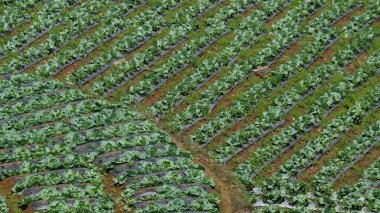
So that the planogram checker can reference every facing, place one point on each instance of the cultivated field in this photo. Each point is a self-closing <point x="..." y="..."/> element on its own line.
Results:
<point x="189" y="106"/>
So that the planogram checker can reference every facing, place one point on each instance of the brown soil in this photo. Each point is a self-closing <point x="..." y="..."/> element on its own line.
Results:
<point x="284" y="157"/>
<point x="346" y="19"/>
<point x="237" y="126"/>
<point x="128" y="57"/>
<point x="287" y="55"/>
<point x="355" y="172"/>
<point x="115" y="192"/>
<point x="186" y="134"/>
<point x="278" y="16"/>
<point x="119" y="91"/>
<point x="11" y="199"/>
<point x="352" y="67"/>
<point x="160" y="92"/>
<point x="232" y="194"/>
<point x="244" y="155"/>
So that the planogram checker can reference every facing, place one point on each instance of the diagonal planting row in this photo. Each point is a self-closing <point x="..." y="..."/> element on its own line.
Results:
<point x="51" y="15"/>
<point x="363" y="194"/>
<point x="14" y="14"/>
<point x="274" y="116"/>
<point x="131" y="68"/>
<point x="226" y="116"/>
<point x="280" y="187"/>
<point x="370" y="15"/>
<point x="329" y="136"/>
<point x="338" y="10"/>
<point x="180" y="27"/>
<point x="246" y="102"/>
<point x="287" y="137"/>
<point x="56" y="143"/>
<point x="105" y="61"/>
<point x="247" y="33"/>
<point x="346" y="157"/>
<point x="240" y="71"/>
<point x="79" y="21"/>
<point x="82" y="19"/>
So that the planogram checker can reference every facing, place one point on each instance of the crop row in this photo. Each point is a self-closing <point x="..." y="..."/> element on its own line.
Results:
<point x="142" y="60"/>
<point x="41" y="102"/>
<point x="287" y="137"/>
<point x="3" y="205"/>
<point x="346" y="158"/>
<point x="48" y="17"/>
<point x="253" y="94"/>
<point x="14" y="14"/>
<point x="12" y="93"/>
<point x="338" y="11"/>
<point x="274" y="116"/>
<point x="130" y="43"/>
<point x="315" y="148"/>
<point x="280" y="187"/>
<point x="82" y="20"/>
<point x="185" y="201"/>
<point x="266" y="56"/>
<point x="362" y="194"/>
<point x="41" y="132"/>
<point x="298" y="14"/>
<point x="67" y="190"/>
<point x="282" y="104"/>
<point x="77" y="22"/>
<point x="371" y="14"/>
<point x="247" y="33"/>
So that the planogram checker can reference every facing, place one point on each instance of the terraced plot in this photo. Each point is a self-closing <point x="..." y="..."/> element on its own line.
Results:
<point x="189" y="106"/>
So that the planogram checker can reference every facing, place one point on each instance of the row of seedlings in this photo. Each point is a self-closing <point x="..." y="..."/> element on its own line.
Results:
<point x="78" y="21"/>
<point x="51" y="15"/>
<point x="247" y="101"/>
<point x="363" y="195"/>
<point x="14" y="14"/>
<point x="282" y="186"/>
<point x="247" y="34"/>
<point x="136" y="65"/>
<point x="240" y="71"/>
<point x="275" y="114"/>
<point x="345" y="158"/>
<point x="120" y="49"/>
<point x="289" y="136"/>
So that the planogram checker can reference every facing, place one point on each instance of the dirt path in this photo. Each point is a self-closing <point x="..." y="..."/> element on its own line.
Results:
<point x="233" y="195"/>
